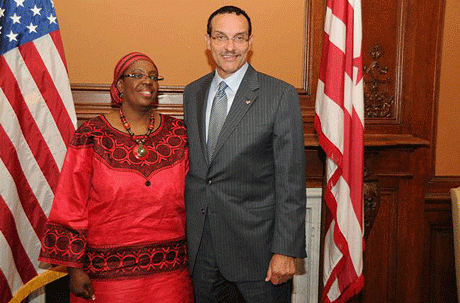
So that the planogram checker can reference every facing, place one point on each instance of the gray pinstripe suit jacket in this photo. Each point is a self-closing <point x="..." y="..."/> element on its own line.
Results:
<point x="254" y="188"/>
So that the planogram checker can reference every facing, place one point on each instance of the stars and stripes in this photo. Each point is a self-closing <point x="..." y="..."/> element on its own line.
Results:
<point x="339" y="122"/>
<point x="37" y="121"/>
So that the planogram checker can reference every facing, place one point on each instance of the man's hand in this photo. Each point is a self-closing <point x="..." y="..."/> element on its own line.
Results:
<point x="281" y="269"/>
<point x="80" y="284"/>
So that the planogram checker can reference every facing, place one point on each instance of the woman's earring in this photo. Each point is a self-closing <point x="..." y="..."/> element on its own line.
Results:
<point x="120" y="95"/>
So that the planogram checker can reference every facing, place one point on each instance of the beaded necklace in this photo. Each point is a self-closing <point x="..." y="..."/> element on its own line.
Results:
<point x="139" y="151"/>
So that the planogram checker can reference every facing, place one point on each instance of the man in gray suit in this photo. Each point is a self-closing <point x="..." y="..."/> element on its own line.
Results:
<point x="245" y="190"/>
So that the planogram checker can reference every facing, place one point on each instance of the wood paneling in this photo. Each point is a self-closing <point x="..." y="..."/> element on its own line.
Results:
<point x="441" y="271"/>
<point x="381" y="241"/>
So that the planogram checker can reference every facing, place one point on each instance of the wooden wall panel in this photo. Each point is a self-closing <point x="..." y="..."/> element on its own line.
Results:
<point x="441" y="257"/>
<point x="380" y="253"/>
<point x="381" y="52"/>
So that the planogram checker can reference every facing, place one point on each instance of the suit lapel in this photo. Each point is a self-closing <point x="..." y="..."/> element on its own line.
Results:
<point x="201" y="98"/>
<point x="245" y="96"/>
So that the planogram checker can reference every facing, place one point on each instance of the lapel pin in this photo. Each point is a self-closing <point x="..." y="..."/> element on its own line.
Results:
<point x="248" y="101"/>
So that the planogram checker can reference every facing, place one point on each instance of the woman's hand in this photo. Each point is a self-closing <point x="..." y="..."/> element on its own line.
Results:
<point x="80" y="284"/>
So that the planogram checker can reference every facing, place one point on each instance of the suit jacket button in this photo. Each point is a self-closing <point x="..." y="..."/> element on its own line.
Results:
<point x="209" y="182"/>
<point x="202" y="211"/>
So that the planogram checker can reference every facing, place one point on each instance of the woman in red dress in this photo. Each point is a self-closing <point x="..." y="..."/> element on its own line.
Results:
<point x="118" y="217"/>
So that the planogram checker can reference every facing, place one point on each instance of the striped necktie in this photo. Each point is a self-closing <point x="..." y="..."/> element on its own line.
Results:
<point x="217" y="118"/>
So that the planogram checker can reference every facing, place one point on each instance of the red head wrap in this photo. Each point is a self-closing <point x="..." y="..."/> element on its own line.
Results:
<point x="120" y="68"/>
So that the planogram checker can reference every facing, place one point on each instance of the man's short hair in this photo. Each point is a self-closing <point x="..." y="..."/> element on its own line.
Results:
<point x="229" y="10"/>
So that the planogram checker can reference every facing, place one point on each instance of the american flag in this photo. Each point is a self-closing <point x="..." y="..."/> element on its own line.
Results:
<point x="37" y="121"/>
<point x="339" y="121"/>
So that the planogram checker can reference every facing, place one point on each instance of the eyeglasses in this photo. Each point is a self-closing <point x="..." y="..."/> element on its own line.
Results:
<point x="139" y="76"/>
<point x="222" y="39"/>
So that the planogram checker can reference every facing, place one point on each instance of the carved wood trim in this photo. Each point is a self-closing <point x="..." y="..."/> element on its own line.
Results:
<point x="378" y="101"/>
<point x="437" y="193"/>
<point x="371" y="204"/>
<point x="379" y="140"/>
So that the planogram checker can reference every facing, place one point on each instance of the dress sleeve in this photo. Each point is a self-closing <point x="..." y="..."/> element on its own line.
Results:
<point x="64" y="240"/>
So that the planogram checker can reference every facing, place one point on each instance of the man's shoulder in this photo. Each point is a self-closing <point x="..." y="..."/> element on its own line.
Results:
<point x="198" y="82"/>
<point x="265" y="79"/>
<point x="272" y="86"/>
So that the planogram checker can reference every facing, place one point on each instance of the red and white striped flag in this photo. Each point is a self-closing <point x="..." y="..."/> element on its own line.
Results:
<point x="37" y="121"/>
<point x="339" y="121"/>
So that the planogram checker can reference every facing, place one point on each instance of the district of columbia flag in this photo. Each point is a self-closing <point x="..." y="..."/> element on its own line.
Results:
<point x="339" y="122"/>
<point x="37" y="121"/>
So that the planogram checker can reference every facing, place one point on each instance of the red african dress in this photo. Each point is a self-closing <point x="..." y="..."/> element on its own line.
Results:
<point x="122" y="219"/>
